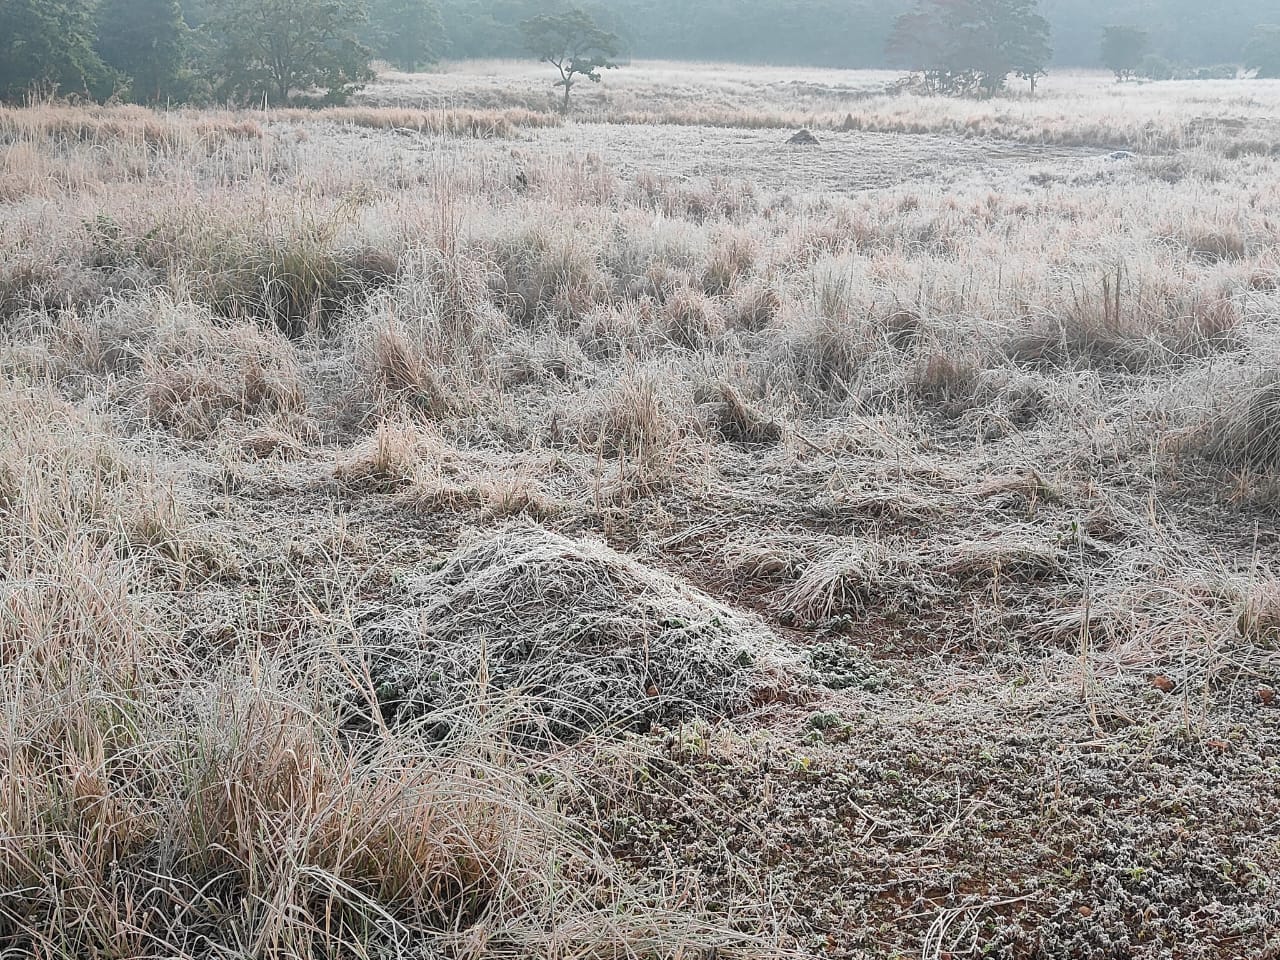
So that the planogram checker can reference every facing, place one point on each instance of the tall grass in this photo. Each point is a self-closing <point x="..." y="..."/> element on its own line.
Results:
<point x="260" y="372"/>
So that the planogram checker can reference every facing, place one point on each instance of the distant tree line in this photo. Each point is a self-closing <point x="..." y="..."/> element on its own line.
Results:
<point x="277" y="51"/>
<point x="855" y="33"/>
<point x="238" y="51"/>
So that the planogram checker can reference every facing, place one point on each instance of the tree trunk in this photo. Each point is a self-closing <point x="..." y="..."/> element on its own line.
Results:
<point x="564" y="107"/>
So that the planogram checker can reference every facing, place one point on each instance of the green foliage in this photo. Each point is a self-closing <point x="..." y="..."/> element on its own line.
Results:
<point x="270" y="51"/>
<point x="1262" y="53"/>
<point x="48" y="44"/>
<point x="574" y="44"/>
<point x="1123" y="50"/>
<point x="407" y="33"/>
<point x="972" y="46"/>
<point x="147" y="41"/>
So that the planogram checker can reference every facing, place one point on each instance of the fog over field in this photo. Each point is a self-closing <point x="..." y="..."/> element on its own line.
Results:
<point x="753" y="479"/>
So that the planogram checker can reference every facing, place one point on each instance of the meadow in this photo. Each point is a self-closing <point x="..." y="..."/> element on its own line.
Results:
<point x="435" y="528"/>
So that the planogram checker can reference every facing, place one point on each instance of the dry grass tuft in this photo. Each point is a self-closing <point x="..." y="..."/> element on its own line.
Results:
<point x="105" y="126"/>
<point x="1214" y="247"/>
<point x="846" y="580"/>
<point x="1153" y="329"/>
<point x="485" y="124"/>
<point x="493" y="495"/>
<point x="136" y="814"/>
<point x="635" y="426"/>
<point x="1012" y="555"/>
<point x="547" y="270"/>
<point x="754" y="307"/>
<point x="1247" y="435"/>
<point x="396" y="454"/>
<point x="401" y="368"/>
<point x="741" y="422"/>
<point x="733" y="256"/>
<point x="196" y="373"/>
<point x="768" y="560"/>
<point x="692" y="319"/>
<point x="947" y="380"/>
<point x="824" y="355"/>
<point x="1258" y="619"/>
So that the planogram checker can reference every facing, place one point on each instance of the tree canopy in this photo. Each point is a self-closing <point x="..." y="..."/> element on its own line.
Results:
<point x="406" y="33"/>
<point x="147" y="41"/>
<point x="269" y="51"/>
<point x="50" y="44"/>
<point x="972" y="46"/>
<point x="273" y="51"/>
<point x="574" y="44"/>
<point x="1123" y="50"/>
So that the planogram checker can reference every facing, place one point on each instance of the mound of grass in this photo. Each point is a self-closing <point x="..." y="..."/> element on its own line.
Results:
<point x="590" y="639"/>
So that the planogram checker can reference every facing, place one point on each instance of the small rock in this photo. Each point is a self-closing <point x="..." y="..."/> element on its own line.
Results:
<point x="803" y="137"/>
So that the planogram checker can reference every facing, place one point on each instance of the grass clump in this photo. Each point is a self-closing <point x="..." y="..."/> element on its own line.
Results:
<point x="401" y="369"/>
<point x="846" y="579"/>
<point x="1135" y="329"/>
<point x="1246" y="435"/>
<point x="197" y="373"/>
<point x="692" y="319"/>
<point x="139" y="813"/>
<point x="636" y="428"/>
<point x="295" y="269"/>
<point x="742" y="422"/>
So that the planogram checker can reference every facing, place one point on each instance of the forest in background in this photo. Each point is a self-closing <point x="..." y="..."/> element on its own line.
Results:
<point x="322" y="51"/>
<point x="851" y="33"/>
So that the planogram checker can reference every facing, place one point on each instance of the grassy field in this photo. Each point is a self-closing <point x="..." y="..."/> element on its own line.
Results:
<point x="434" y="528"/>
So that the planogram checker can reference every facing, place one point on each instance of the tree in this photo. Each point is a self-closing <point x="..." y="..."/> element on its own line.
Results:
<point x="49" y="43"/>
<point x="1023" y="36"/>
<point x="271" y="50"/>
<point x="1262" y="53"/>
<point x="971" y="46"/>
<point x="1032" y="75"/>
<point x="407" y="33"/>
<point x="1123" y="49"/>
<point x="572" y="43"/>
<point x="147" y="41"/>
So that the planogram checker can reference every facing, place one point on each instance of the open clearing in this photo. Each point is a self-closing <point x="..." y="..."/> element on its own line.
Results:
<point x="843" y="162"/>
<point x="430" y="528"/>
